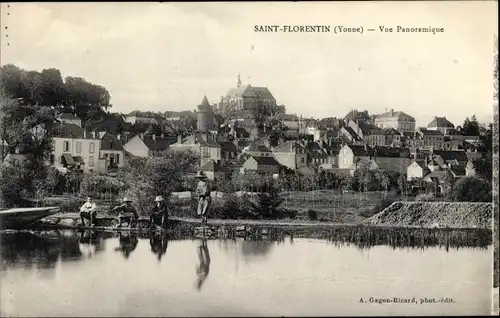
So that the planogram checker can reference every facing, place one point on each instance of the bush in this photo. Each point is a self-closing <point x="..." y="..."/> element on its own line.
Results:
<point x="100" y="187"/>
<point x="71" y="205"/>
<point x="472" y="189"/>
<point x="312" y="215"/>
<point x="425" y="197"/>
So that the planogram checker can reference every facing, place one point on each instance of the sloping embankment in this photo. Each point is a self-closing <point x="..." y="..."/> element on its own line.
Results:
<point x="430" y="214"/>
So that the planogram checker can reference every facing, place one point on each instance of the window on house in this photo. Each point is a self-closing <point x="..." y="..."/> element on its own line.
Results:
<point x="66" y="146"/>
<point x="111" y="145"/>
<point x="91" y="147"/>
<point x="91" y="161"/>
<point x="117" y="158"/>
<point x="78" y="147"/>
<point x="206" y="152"/>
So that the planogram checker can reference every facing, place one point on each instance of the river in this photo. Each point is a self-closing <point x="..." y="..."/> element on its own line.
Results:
<point x="101" y="274"/>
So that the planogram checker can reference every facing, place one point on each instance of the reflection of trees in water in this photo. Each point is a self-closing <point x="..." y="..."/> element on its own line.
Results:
<point x="256" y="248"/>
<point x="128" y="242"/>
<point x="159" y="245"/>
<point x="247" y="248"/>
<point x="44" y="249"/>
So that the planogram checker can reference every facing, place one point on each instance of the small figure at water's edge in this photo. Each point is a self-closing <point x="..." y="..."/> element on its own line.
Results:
<point x="204" y="267"/>
<point x="88" y="211"/>
<point x="204" y="199"/>
<point x="127" y="213"/>
<point x="159" y="214"/>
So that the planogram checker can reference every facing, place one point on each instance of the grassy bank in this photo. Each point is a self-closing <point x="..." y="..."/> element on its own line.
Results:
<point x="325" y="205"/>
<point x="430" y="214"/>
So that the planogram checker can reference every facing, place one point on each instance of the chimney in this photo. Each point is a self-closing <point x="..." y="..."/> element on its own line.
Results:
<point x="392" y="112"/>
<point x="119" y="137"/>
<point x="153" y="136"/>
<point x="85" y="134"/>
<point x="162" y="135"/>
<point x="93" y="134"/>
<point x="179" y="138"/>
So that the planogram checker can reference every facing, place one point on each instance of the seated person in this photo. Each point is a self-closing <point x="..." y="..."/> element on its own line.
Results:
<point x="127" y="213"/>
<point x="159" y="215"/>
<point x="88" y="211"/>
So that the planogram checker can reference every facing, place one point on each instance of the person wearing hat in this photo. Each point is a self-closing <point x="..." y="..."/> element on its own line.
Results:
<point x="88" y="211"/>
<point x="204" y="200"/>
<point x="127" y="213"/>
<point x="159" y="215"/>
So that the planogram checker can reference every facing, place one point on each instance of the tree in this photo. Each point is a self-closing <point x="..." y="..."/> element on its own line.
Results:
<point x="268" y="202"/>
<point x="472" y="189"/>
<point x="483" y="166"/>
<point x="162" y="175"/>
<point x="27" y="130"/>
<point x="470" y="127"/>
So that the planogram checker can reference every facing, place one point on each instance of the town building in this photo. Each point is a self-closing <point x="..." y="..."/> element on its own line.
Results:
<point x="398" y="120"/>
<point x="442" y="124"/>
<point x="203" y="144"/>
<point x="111" y="151"/>
<point x="265" y="165"/>
<point x="290" y="155"/>
<point x="68" y="118"/>
<point x="393" y="138"/>
<point x="148" y="145"/>
<point x="206" y="121"/>
<point x="74" y="148"/>
<point x="381" y="158"/>
<point x="246" y="97"/>
<point x="138" y="117"/>
<point x="370" y="134"/>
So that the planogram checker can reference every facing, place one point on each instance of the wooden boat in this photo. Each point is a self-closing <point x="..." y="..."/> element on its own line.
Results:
<point x="19" y="217"/>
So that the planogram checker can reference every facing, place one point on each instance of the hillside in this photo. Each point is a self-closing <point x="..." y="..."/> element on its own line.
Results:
<point x="431" y="214"/>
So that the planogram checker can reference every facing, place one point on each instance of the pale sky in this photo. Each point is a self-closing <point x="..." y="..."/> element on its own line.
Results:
<point x="159" y="56"/>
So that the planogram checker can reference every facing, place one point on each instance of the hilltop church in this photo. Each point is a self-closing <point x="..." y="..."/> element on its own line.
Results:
<point x="245" y="98"/>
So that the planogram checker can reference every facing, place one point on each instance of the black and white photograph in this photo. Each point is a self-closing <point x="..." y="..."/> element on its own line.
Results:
<point x="222" y="159"/>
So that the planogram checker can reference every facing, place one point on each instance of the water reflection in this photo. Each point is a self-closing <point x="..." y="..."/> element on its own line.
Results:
<point x="91" y="242"/>
<point x="159" y="245"/>
<point x="203" y="267"/>
<point x="41" y="249"/>
<point x="128" y="242"/>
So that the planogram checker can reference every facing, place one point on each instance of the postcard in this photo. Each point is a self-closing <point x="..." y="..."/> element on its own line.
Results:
<point x="249" y="159"/>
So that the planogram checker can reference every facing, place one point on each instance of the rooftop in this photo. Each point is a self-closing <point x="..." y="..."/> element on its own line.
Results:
<point x="440" y="122"/>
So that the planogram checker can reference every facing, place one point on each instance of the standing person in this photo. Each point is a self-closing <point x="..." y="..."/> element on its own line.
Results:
<point x="127" y="213"/>
<point x="159" y="215"/>
<point x="204" y="200"/>
<point x="88" y="211"/>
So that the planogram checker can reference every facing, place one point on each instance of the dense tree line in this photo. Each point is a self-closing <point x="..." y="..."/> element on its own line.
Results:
<point x="27" y="130"/>
<point x="48" y="88"/>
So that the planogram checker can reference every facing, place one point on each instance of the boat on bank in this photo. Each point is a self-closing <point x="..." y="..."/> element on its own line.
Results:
<point x="22" y="217"/>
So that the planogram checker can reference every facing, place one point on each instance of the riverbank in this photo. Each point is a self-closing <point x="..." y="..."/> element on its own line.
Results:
<point x="398" y="214"/>
<point x="435" y="214"/>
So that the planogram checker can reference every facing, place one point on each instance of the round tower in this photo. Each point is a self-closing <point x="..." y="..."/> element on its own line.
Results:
<point x="205" y="116"/>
